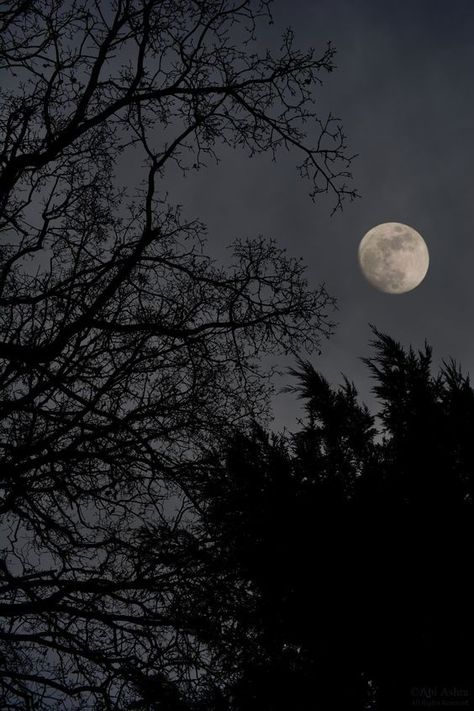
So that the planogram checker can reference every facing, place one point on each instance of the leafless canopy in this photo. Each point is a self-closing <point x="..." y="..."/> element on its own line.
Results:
<point x="124" y="349"/>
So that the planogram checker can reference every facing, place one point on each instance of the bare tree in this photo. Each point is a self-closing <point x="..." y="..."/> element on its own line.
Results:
<point x="124" y="349"/>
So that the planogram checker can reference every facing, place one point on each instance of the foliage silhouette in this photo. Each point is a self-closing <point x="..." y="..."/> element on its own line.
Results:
<point x="348" y="541"/>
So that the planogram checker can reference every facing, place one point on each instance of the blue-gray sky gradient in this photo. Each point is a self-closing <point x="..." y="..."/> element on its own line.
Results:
<point x="403" y="89"/>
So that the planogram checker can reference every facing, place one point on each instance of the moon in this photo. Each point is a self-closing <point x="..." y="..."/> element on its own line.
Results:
<point x="393" y="257"/>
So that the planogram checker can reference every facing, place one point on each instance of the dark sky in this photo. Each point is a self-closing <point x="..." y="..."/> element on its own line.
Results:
<point x="404" y="89"/>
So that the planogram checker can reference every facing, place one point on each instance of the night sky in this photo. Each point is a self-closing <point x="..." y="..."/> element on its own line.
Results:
<point x="148" y="573"/>
<point x="404" y="91"/>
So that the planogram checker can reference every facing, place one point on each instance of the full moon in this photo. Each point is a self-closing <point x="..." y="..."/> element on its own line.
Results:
<point x="393" y="257"/>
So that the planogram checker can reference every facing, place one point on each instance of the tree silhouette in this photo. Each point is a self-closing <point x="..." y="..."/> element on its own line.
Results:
<point x="354" y="586"/>
<point x="427" y="457"/>
<point x="124" y="349"/>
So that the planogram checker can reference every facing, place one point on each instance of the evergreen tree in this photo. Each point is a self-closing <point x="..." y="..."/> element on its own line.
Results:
<point x="353" y="586"/>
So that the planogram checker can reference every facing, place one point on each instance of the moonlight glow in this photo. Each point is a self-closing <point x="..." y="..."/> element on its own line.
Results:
<point x="393" y="257"/>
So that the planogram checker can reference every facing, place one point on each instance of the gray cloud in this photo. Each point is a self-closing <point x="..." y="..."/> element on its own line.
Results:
<point x="404" y="91"/>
